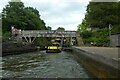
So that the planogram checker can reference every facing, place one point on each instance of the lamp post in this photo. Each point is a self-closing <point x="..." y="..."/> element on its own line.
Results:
<point x="110" y="33"/>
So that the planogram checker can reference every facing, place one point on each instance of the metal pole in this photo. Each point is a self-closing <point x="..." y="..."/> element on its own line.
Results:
<point x="71" y="41"/>
<point x="110" y="33"/>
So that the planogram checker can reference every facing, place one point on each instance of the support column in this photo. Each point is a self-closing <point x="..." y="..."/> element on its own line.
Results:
<point x="33" y="39"/>
<point x="62" y="40"/>
<point x="25" y="38"/>
<point x="79" y="41"/>
<point x="19" y="38"/>
<point x="30" y="41"/>
<point x="71" y="43"/>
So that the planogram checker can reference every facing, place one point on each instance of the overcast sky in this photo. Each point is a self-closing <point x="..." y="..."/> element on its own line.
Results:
<point x="57" y="13"/>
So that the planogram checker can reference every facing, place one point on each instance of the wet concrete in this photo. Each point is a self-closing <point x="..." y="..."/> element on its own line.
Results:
<point x="42" y="65"/>
<point x="100" y="64"/>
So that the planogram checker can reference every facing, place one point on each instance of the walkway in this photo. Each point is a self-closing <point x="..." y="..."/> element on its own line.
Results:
<point x="107" y="52"/>
<point x="101" y="61"/>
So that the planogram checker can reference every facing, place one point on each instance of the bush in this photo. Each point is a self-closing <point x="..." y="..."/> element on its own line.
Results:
<point x="86" y="36"/>
<point x="101" y="37"/>
<point x="7" y="34"/>
<point x="116" y="29"/>
<point x="98" y="38"/>
<point x="42" y="42"/>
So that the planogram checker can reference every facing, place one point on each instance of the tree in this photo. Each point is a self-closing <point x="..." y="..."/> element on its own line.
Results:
<point x="101" y="37"/>
<point x="33" y="19"/>
<point x="61" y="29"/>
<point x="15" y="13"/>
<point x="49" y="28"/>
<point x="83" y="26"/>
<point x="101" y="14"/>
<point x="11" y="15"/>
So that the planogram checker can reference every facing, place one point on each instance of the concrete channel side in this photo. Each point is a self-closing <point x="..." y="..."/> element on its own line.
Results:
<point x="99" y="66"/>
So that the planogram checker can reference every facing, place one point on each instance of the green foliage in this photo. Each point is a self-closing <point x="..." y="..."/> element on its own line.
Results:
<point x="101" y="36"/>
<point x="82" y="27"/>
<point x="86" y="35"/>
<point x="49" y="28"/>
<point x="102" y="14"/>
<point x="7" y="34"/>
<point x="15" y="13"/>
<point x="42" y="42"/>
<point x="115" y="29"/>
<point x="61" y="29"/>
<point x="32" y="20"/>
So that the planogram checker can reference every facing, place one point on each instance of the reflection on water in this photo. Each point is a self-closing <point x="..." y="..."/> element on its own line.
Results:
<point x="42" y="65"/>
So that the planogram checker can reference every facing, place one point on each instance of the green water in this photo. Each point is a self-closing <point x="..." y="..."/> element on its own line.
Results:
<point x="42" y="65"/>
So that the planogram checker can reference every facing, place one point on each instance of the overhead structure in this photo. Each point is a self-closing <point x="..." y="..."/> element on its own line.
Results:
<point x="31" y="35"/>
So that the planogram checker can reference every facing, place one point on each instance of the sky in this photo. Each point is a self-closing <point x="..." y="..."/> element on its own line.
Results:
<point x="57" y="13"/>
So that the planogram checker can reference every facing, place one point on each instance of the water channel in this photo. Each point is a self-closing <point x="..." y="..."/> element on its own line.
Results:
<point x="42" y="65"/>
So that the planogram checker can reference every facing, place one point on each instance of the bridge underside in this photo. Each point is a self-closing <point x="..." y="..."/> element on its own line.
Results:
<point x="72" y="40"/>
<point x="31" y="35"/>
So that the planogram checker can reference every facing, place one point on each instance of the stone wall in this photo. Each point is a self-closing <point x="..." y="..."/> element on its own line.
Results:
<point x="79" y="40"/>
<point x="115" y="40"/>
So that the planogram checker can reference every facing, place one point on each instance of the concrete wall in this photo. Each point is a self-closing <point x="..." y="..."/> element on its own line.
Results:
<point x="99" y="66"/>
<point x="115" y="40"/>
<point x="79" y="40"/>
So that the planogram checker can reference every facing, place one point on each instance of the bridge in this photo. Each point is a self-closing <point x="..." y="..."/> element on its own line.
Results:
<point x="102" y="62"/>
<point x="31" y="35"/>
